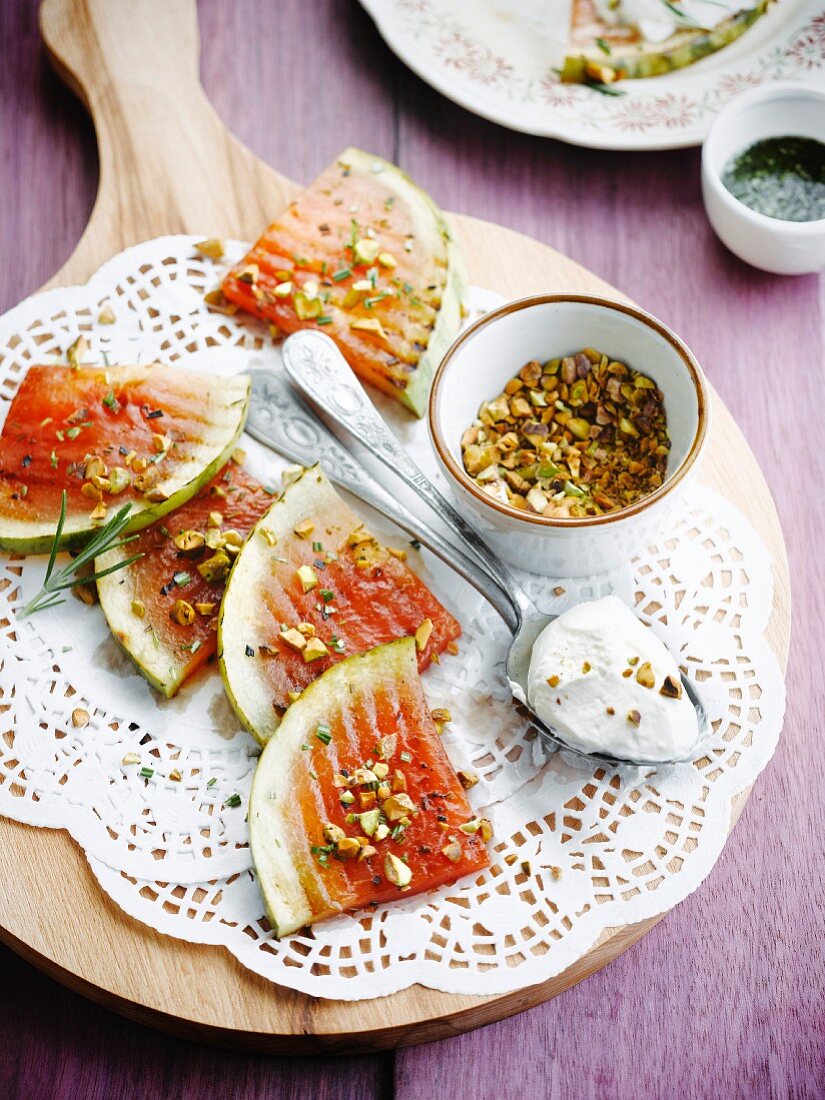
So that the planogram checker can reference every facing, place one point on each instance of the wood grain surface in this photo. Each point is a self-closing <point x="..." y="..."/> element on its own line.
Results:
<point x="768" y="351"/>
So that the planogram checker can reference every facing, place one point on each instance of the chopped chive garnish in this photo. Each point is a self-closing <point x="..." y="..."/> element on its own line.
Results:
<point x="250" y="652"/>
<point x="327" y="595"/>
<point x="342" y="273"/>
<point x="305" y="747"/>
<point x="53" y="460"/>
<point x="323" y="733"/>
<point x="72" y="433"/>
<point x="153" y="414"/>
<point x="182" y="579"/>
<point x="324" y="321"/>
<point x="60" y="435"/>
<point x="212" y="781"/>
<point x="146" y="773"/>
<point x="604" y="46"/>
<point x="405" y="756"/>
<point x="233" y="801"/>
<point x="336" y="644"/>
<point x="110" y="401"/>
<point x="604" y="89"/>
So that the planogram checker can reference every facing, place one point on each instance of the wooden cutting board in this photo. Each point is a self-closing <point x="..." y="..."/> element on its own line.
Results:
<point x="168" y="165"/>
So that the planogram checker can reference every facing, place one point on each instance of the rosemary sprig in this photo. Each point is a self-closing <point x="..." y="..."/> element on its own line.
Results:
<point x="105" y="539"/>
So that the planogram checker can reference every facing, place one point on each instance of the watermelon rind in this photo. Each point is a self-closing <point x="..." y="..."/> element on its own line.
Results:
<point x="639" y="61"/>
<point x="155" y="661"/>
<point x="309" y="497"/>
<point x="226" y="401"/>
<point x="274" y="837"/>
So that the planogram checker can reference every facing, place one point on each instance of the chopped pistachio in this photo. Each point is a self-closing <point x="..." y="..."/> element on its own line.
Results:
<point x="304" y="529"/>
<point x="466" y="778"/>
<point x="98" y="513"/>
<point x="129" y="759"/>
<point x="422" y="634"/>
<point x="366" y="250"/>
<point x="80" y="718"/>
<point x="369" y="324"/>
<point x="212" y="247"/>
<point x="645" y="675"/>
<point x="189" y="542"/>
<point x="315" y="648"/>
<point x="386" y="259"/>
<point x="183" y="613"/>
<point x="382" y="831"/>
<point x="307" y="576"/>
<point x="671" y="688"/>
<point x="216" y="568"/>
<point x="348" y="848"/>
<point x="381" y="769"/>
<point x="106" y="316"/>
<point x="138" y="608"/>
<point x="333" y="834"/>
<point x="369" y="821"/>
<point x="452" y="851"/>
<point x="397" y="806"/>
<point x="396" y="871"/>
<point x="76" y="352"/>
<point x="215" y="519"/>
<point x="294" y="639"/>
<point x="160" y="443"/>
<point x="119" y="480"/>
<point x="634" y="717"/>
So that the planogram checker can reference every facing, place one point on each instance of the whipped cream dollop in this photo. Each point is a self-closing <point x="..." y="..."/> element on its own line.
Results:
<point x="656" y="20"/>
<point x="606" y="683"/>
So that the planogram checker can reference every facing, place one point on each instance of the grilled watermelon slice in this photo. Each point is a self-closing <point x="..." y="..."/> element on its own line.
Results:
<point x="354" y="799"/>
<point x="149" y="435"/>
<point x="162" y="609"/>
<point x="366" y="256"/>
<point x="311" y="564"/>
<point x="604" y="53"/>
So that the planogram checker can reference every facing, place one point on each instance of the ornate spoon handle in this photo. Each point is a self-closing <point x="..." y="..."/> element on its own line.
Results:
<point x="322" y="375"/>
<point x="279" y="419"/>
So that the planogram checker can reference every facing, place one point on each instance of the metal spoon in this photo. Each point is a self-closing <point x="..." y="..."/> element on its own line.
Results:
<point x="321" y="374"/>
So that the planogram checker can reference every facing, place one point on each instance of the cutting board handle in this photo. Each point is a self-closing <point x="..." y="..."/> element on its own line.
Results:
<point x="167" y="163"/>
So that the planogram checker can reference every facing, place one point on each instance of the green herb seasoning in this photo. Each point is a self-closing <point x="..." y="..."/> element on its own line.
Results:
<point x="781" y="177"/>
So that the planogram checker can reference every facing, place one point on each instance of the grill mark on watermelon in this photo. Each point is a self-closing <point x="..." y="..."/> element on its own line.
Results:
<point x="344" y="885"/>
<point x="376" y="609"/>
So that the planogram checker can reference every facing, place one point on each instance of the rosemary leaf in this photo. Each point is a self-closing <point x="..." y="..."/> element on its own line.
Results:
<point x="107" y="538"/>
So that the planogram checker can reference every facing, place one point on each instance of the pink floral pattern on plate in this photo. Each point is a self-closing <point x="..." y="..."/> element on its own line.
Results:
<point x="438" y="40"/>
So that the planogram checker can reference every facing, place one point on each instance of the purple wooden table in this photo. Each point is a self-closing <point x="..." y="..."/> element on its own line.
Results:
<point x="725" y="997"/>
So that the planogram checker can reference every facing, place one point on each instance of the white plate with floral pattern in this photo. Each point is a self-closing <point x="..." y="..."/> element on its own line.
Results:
<point x="486" y="56"/>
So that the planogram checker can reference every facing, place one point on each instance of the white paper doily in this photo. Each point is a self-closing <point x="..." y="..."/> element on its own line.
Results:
<point x="577" y="849"/>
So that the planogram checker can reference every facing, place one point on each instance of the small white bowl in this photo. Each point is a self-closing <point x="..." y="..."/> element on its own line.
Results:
<point x="772" y="110"/>
<point x="495" y="348"/>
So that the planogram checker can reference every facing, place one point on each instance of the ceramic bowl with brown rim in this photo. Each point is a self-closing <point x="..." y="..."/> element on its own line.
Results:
<point x="493" y="350"/>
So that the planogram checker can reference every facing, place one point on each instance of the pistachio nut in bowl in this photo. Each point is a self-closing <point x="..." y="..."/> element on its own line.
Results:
<point x="567" y="427"/>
